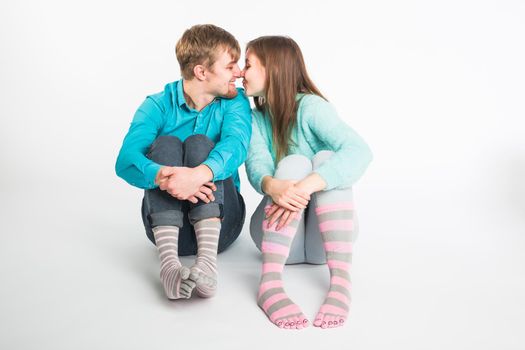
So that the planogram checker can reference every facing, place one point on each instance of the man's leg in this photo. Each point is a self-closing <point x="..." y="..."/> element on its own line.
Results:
<point x="206" y="220"/>
<point x="163" y="216"/>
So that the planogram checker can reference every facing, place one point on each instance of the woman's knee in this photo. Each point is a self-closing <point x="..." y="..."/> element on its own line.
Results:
<point x="321" y="157"/>
<point x="293" y="167"/>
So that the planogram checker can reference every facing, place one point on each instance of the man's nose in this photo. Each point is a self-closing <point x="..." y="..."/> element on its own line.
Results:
<point x="237" y="72"/>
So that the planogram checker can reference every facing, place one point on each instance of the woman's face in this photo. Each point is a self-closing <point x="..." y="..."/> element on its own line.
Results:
<point x="254" y="76"/>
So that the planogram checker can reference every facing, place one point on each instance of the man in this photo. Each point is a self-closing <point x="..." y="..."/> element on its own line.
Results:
<point x="183" y="147"/>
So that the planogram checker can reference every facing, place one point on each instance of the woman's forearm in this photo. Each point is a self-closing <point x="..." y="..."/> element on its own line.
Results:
<point x="266" y="184"/>
<point x="312" y="183"/>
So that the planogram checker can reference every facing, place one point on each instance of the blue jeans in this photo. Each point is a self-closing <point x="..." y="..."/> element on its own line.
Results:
<point x="159" y="208"/>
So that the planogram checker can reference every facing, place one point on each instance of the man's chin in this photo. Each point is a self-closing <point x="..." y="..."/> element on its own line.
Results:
<point x="231" y="93"/>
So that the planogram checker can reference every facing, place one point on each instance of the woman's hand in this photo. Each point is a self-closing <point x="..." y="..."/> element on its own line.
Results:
<point x="275" y="212"/>
<point x="285" y="194"/>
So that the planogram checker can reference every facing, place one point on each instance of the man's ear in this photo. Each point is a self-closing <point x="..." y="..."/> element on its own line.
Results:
<point x="199" y="71"/>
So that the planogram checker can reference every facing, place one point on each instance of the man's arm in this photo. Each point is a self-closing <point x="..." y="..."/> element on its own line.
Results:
<point x="231" y="150"/>
<point x="132" y="164"/>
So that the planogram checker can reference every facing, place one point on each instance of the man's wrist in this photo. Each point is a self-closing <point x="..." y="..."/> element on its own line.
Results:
<point x="204" y="173"/>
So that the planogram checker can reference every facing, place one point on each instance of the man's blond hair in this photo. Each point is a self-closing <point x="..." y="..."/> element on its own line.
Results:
<point x="200" y="44"/>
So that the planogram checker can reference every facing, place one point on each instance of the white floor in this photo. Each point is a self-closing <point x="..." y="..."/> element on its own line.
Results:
<point x="85" y="277"/>
<point x="435" y="88"/>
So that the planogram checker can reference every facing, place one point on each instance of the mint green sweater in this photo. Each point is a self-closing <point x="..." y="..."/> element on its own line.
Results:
<point x="318" y="128"/>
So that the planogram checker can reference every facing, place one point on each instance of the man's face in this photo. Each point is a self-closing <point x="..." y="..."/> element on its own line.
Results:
<point x="222" y="75"/>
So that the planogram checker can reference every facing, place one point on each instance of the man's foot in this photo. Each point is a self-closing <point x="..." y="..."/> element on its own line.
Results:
<point x="204" y="271"/>
<point x="206" y="282"/>
<point x="175" y="280"/>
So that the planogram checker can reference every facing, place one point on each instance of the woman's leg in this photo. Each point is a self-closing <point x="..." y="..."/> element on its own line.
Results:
<point x="313" y="243"/>
<point x="334" y="210"/>
<point x="275" y="247"/>
<point x="294" y="167"/>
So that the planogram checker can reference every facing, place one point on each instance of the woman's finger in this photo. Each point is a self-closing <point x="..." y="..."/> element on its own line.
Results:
<point x="272" y="210"/>
<point x="284" y="219"/>
<point x="300" y="199"/>
<point x="285" y="203"/>
<point x="290" y="218"/>
<point x="275" y="216"/>
<point x="295" y="205"/>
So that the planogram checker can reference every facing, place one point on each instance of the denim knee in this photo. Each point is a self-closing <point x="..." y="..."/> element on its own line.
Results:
<point x="166" y="150"/>
<point x="196" y="149"/>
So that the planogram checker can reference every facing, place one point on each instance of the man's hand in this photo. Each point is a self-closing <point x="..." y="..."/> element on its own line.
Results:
<point x="186" y="183"/>
<point x="205" y="193"/>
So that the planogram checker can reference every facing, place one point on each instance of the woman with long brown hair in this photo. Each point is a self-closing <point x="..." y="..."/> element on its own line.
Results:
<point x="304" y="159"/>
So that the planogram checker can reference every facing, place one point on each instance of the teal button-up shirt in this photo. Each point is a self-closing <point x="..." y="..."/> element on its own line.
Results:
<point x="227" y="122"/>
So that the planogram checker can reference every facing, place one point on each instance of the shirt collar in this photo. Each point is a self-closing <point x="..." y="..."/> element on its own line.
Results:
<point x="180" y="95"/>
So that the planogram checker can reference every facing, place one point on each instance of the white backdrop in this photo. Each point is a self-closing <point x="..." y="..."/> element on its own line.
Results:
<point x="435" y="87"/>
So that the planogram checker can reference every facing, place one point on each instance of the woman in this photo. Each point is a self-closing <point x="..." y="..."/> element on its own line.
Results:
<point x="304" y="159"/>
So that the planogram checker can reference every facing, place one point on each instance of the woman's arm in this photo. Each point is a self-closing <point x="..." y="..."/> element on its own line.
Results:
<point x="351" y="154"/>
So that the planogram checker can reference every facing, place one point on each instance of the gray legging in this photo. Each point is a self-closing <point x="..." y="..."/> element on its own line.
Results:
<point x="307" y="245"/>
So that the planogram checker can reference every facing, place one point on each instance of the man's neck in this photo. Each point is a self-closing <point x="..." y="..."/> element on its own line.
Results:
<point x="195" y="95"/>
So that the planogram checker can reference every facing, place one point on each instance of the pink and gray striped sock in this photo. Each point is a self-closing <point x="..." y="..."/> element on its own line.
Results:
<point x="336" y="226"/>
<point x="173" y="275"/>
<point x="272" y="298"/>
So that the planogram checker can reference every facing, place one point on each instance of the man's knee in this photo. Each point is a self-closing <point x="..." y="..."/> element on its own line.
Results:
<point x="166" y="150"/>
<point x="293" y="167"/>
<point x="196" y="149"/>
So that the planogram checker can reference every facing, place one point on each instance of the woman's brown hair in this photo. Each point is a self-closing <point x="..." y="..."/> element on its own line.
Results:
<point x="286" y="76"/>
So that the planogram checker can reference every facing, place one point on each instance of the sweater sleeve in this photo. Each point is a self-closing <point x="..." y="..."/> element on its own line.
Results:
<point x="351" y="154"/>
<point x="259" y="162"/>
